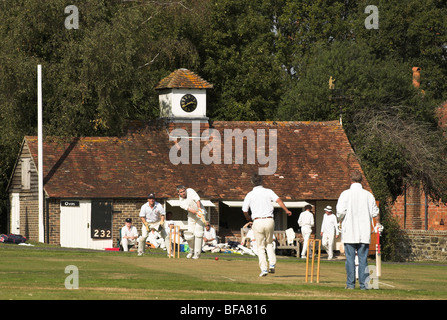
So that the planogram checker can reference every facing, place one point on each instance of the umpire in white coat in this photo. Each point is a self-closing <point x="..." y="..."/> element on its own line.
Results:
<point x="329" y="229"/>
<point x="356" y="208"/>
<point x="260" y="202"/>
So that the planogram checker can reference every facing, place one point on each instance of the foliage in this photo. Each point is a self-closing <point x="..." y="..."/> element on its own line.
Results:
<point x="394" y="241"/>
<point x="381" y="112"/>
<point x="412" y="32"/>
<point x="239" y="59"/>
<point x="95" y="77"/>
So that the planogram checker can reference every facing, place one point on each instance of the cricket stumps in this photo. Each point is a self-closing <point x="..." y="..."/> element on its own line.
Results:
<point x="313" y="241"/>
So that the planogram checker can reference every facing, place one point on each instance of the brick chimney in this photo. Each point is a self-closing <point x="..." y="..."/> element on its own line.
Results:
<point x="416" y="77"/>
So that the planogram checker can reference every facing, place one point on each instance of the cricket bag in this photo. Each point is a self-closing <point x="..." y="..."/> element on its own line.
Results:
<point x="12" y="238"/>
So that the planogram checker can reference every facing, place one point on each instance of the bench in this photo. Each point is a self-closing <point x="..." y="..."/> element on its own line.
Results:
<point x="282" y="243"/>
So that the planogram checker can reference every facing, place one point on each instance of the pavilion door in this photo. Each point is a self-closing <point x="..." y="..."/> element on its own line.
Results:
<point x="86" y="224"/>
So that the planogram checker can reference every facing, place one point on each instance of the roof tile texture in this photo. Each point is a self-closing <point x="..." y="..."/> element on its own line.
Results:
<point x="183" y="78"/>
<point x="314" y="160"/>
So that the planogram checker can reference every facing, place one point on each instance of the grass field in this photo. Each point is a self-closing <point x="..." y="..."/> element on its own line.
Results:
<point x="28" y="273"/>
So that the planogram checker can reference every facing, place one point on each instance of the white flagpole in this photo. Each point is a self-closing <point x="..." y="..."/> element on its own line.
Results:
<point x="40" y="150"/>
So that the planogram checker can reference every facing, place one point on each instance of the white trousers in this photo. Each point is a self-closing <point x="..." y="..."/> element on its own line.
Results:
<point x="327" y="241"/>
<point x="196" y="227"/>
<point x="210" y="243"/>
<point x="145" y="233"/>
<point x="263" y="230"/>
<point x="127" y="242"/>
<point x="306" y="231"/>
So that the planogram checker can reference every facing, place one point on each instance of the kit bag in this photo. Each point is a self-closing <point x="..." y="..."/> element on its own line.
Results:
<point x="12" y="238"/>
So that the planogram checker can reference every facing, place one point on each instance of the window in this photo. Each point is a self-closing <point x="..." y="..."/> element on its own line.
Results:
<point x="26" y="174"/>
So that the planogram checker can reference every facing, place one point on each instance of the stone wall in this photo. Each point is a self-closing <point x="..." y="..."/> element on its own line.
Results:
<point x="421" y="245"/>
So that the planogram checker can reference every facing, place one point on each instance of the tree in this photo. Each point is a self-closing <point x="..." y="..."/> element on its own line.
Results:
<point x="391" y="125"/>
<point x="412" y="32"/>
<point x="298" y="25"/>
<point x="238" y="58"/>
<point x="95" y="77"/>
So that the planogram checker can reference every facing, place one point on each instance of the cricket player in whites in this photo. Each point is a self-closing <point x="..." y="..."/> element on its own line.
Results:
<point x="152" y="215"/>
<point x="260" y="202"/>
<point x="190" y="201"/>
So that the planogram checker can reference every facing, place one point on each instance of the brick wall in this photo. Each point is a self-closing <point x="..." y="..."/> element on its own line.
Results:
<point x="123" y="209"/>
<point x="29" y="216"/>
<point x="54" y="226"/>
<point x="213" y="216"/>
<point x="415" y="216"/>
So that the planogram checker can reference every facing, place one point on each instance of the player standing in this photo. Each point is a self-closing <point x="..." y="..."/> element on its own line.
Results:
<point x="190" y="201"/>
<point x="152" y="215"/>
<point x="260" y="202"/>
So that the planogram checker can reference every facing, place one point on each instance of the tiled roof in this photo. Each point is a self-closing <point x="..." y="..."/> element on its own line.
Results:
<point x="314" y="160"/>
<point x="183" y="78"/>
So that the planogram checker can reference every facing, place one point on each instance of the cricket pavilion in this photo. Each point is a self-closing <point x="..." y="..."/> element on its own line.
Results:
<point x="91" y="184"/>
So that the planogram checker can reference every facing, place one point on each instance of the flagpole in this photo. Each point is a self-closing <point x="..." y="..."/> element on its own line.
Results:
<point x="40" y="151"/>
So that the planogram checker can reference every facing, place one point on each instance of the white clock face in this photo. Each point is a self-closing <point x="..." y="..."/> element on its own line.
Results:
<point x="188" y="103"/>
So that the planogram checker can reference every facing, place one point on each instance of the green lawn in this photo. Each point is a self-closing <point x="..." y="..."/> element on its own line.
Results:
<point x="28" y="273"/>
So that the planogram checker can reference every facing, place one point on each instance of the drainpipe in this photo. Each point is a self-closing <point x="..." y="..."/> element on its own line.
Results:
<point x="405" y="206"/>
<point x="426" y="211"/>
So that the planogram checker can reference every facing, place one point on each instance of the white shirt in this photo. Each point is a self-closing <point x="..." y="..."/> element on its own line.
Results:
<point x="152" y="214"/>
<point x="211" y="234"/>
<point x="125" y="232"/>
<point x="153" y="236"/>
<point x="167" y="224"/>
<point x="306" y="219"/>
<point x="190" y="201"/>
<point x="260" y="201"/>
<point x="329" y="224"/>
<point x="355" y="208"/>
<point x="250" y="235"/>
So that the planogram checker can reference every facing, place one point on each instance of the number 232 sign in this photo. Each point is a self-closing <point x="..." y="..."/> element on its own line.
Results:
<point x="101" y="234"/>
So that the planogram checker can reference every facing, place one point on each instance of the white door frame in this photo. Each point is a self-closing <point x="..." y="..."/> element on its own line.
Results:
<point x="15" y="213"/>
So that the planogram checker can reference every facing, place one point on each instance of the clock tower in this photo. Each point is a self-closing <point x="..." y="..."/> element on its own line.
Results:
<point x="182" y="96"/>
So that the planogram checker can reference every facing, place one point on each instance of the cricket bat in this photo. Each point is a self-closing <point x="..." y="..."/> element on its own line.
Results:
<point x="201" y="215"/>
<point x="200" y="212"/>
<point x="378" y="256"/>
<point x="378" y="228"/>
